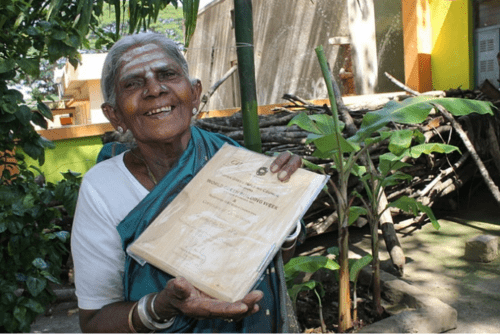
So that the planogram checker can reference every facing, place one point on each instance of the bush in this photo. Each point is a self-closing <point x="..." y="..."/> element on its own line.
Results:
<point x="33" y="244"/>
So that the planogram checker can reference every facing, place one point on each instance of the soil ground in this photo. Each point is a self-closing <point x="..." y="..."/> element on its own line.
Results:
<point x="435" y="263"/>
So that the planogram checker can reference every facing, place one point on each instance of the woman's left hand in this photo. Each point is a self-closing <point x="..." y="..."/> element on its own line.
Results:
<point x="285" y="165"/>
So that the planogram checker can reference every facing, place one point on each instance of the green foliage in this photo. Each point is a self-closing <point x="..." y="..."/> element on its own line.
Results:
<point x="169" y="22"/>
<point x="326" y="134"/>
<point x="35" y="37"/>
<point x="355" y="264"/>
<point x="415" y="110"/>
<point x="32" y="248"/>
<point x="66" y="191"/>
<point x="402" y="143"/>
<point x="307" y="264"/>
<point x="190" y="11"/>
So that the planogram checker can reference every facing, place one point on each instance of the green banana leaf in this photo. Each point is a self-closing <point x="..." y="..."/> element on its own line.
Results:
<point x="294" y="291"/>
<point x="190" y="11"/>
<point x="308" y="264"/>
<point x="410" y="205"/>
<point x="415" y="110"/>
<point x="420" y="149"/>
<point x="357" y="265"/>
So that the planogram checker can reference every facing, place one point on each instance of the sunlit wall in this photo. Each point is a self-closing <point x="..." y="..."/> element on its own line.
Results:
<point x="452" y="44"/>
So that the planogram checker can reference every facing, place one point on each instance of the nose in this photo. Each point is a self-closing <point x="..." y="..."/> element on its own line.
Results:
<point x="154" y="88"/>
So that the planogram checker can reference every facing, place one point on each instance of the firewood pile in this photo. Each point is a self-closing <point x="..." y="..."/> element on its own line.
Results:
<point x="436" y="178"/>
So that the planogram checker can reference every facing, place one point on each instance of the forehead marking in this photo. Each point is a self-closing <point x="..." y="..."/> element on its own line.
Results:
<point x="132" y="53"/>
<point x="146" y="61"/>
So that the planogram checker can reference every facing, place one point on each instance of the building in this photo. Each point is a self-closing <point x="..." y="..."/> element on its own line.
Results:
<point x="428" y="45"/>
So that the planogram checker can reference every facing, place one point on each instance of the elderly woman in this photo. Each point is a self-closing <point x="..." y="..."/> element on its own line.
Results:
<point x="147" y="89"/>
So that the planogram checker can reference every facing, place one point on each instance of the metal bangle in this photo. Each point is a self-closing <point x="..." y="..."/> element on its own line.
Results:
<point x="290" y="247"/>
<point x="143" y="313"/>
<point x="296" y="232"/>
<point x="130" y="323"/>
<point x="147" y="320"/>
<point x="153" y="311"/>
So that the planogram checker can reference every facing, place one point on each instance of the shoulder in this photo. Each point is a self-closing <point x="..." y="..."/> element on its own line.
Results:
<point x="111" y="149"/>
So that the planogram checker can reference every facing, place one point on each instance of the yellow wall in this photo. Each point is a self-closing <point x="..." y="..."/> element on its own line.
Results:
<point x="452" y="46"/>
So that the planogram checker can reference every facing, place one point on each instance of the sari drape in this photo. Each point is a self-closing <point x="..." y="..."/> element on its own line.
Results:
<point x="140" y="280"/>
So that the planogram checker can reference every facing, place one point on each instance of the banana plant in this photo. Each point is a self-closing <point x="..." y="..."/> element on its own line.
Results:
<point x="326" y="134"/>
<point x="355" y="267"/>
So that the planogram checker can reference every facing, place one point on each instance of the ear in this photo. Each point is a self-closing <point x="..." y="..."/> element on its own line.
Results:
<point x="113" y="116"/>
<point x="196" y="87"/>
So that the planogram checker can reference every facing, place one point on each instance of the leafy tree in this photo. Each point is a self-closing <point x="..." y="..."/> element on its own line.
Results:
<point x="169" y="22"/>
<point x="34" y="36"/>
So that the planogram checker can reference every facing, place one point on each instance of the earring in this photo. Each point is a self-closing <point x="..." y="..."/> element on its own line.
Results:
<point x="195" y="111"/>
<point x="120" y="130"/>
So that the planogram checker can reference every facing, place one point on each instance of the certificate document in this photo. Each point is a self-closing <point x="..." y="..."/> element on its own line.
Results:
<point x="226" y="225"/>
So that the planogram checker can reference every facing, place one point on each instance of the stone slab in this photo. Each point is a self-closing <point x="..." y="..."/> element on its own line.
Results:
<point x="421" y="312"/>
<point x="482" y="248"/>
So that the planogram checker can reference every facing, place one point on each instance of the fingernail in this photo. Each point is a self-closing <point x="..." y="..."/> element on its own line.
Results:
<point x="274" y="168"/>
<point x="282" y="175"/>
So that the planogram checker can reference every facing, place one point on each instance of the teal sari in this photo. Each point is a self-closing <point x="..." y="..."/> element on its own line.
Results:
<point x="140" y="280"/>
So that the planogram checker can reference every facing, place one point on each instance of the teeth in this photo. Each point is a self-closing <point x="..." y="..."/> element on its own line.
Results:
<point x="159" y="110"/>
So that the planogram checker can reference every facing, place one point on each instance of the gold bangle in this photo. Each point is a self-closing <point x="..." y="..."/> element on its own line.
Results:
<point x="130" y="323"/>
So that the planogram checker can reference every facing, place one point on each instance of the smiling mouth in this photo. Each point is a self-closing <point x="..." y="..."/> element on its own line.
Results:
<point x="159" y="110"/>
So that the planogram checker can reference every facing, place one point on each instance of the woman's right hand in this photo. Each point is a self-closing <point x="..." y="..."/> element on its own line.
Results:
<point x="180" y="297"/>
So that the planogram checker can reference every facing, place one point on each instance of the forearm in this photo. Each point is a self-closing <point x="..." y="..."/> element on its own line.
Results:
<point x="157" y="311"/>
<point x="113" y="318"/>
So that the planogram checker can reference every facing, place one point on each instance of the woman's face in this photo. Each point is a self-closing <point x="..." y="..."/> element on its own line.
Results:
<point x="154" y="97"/>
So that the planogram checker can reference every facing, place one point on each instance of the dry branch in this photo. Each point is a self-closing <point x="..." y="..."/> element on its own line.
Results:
<point x="484" y="172"/>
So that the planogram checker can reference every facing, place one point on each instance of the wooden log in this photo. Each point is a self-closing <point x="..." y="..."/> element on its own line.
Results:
<point x="494" y="147"/>
<point x="391" y="240"/>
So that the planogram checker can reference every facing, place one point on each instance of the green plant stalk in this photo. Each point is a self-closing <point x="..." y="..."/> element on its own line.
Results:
<point x="376" y="192"/>
<point x="333" y="106"/>
<point x="321" y="319"/>
<point x="345" y="318"/>
<point x="329" y="86"/>
<point x="243" y="31"/>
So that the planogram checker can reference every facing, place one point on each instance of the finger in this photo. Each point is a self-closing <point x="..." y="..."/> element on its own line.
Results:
<point x="292" y="165"/>
<point x="204" y="308"/>
<point x="280" y="161"/>
<point x="251" y="301"/>
<point x="182" y="288"/>
<point x="253" y="297"/>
